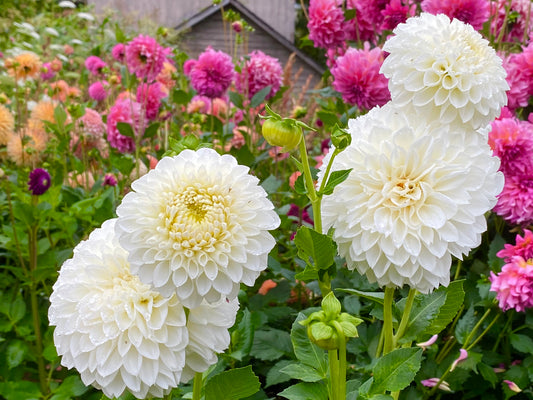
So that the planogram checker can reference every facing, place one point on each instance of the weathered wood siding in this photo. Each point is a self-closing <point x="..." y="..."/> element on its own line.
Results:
<point x="280" y="14"/>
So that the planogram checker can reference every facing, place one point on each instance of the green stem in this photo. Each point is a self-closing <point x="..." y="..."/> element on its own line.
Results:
<point x="309" y="185"/>
<point x="476" y="327"/>
<point x="458" y="270"/>
<point x="334" y="374"/>
<point x="405" y="316"/>
<point x="388" y="345"/>
<point x="502" y="332"/>
<point x="484" y="332"/>
<point x="341" y="376"/>
<point x="197" y="386"/>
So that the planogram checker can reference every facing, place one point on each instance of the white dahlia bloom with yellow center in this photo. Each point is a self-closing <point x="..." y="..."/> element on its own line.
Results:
<point x="446" y="70"/>
<point x="117" y="332"/>
<point x="197" y="225"/>
<point x="208" y="326"/>
<point x="416" y="196"/>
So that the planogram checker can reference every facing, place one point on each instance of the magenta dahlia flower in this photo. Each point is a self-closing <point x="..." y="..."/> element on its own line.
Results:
<point x="145" y="57"/>
<point x="47" y="73"/>
<point x="519" y="81"/>
<point x="368" y="22"/>
<point x="95" y="65"/>
<point x="97" y="91"/>
<point x="522" y="248"/>
<point x="326" y="24"/>
<point x="119" y="52"/>
<point x="212" y="74"/>
<point x="124" y="110"/>
<point x="356" y="76"/>
<point x="39" y="181"/>
<point x="473" y="12"/>
<point x="515" y="202"/>
<point x="511" y="141"/>
<point x="258" y="72"/>
<point x="149" y="96"/>
<point x="514" y="284"/>
<point x="396" y="13"/>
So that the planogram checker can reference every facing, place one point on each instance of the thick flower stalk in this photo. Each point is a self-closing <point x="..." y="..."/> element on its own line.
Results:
<point x="197" y="225"/>
<point x="416" y="196"/>
<point x="446" y="71"/>
<point x="116" y="331"/>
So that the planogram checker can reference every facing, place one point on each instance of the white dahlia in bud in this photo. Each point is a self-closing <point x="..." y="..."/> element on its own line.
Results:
<point x="197" y="225"/>
<point x="208" y="326"/>
<point x="416" y="196"/>
<point x="117" y="332"/>
<point x="446" y="70"/>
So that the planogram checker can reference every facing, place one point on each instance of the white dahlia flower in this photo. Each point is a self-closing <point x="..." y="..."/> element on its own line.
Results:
<point x="208" y="326"/>
<point x="446" y="70"/>
<point x="117" y="332"/>
<point x="416" y="196"/>
<point x="197" y="225"/>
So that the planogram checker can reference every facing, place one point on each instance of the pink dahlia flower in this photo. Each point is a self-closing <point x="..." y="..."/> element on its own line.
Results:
<point x="145" y="57"/>
<point x="514" y="284"/>
<point x="326" y="24"/>
<point x="357" y="77"/>
<point x="396" y="13"/>
<point x="212" y="74"/>
<point x="199" y="104"/>
<point x="522" y="25"/>
<point x="258" y="72"/>
<point x="511" y="141"/>
<point x="368" y="22"/>
<point x="123" y="111"/>
<point x="473" y="12"/>
<point x="515" y="202"/>
<point x="119" y="52"/>
<point x="520" y="84"/>
<point x="95" y="65"/>
<point x="47" y="73"/>
<point x="188" y="66"/>
<point x="97" y="91"/>
<point x="91" y="123"/>
<point x="522" y="248"/>
<point x="149" y="96"/>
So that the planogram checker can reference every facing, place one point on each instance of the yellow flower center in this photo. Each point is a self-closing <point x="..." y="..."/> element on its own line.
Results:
<point x="405" y="193"/>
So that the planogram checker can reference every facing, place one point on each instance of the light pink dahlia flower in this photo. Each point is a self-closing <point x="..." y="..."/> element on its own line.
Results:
<point x="326" y="25"/>
<point x="514" y="284"/>
<point x="259" y="71"/>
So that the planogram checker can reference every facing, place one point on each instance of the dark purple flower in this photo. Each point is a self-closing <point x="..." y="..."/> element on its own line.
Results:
<point x="39" y="181"/>
<point x="110" y="180"/>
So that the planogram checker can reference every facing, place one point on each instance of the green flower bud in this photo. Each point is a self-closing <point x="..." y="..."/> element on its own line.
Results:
<point x="340" y="138"/>
<point x="283" y="133"/>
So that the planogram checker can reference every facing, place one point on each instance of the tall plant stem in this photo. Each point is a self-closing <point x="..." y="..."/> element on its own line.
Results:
<point x="334" y="374"/>
<point x="405" y="316"/>
<point x="388" y="344"/>
<point x="197" y="386"/>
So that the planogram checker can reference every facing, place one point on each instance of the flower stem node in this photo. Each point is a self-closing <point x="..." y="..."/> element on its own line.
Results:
<point x="340" y="138"/>
<point x="328" y="326"/>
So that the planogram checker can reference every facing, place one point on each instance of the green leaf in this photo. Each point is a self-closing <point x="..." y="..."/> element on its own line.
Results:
<point x="181" y="97"/>
<point x="71" y="386"/>
<point x="316" y="246"/>
<point x="60" y="116"/>
<point x="20" y="390"/>
<point x="15" y="352"/>
<point x="495" y="262"/>
<point x="454" y="300"/>
<point x="303" y="372"/>
<point x="488" y="374"/>
<point x="232" y="385"/>
<point x="274" y="374"/>
<point x="260" y="96"/>
<point x="465" y="325"/>
<point x="236" y="99"/>
<point x="242" y="337"/>
<point x="396" y="370"/>
<point x="151" y="130"/>
<point x="305" y="351"/>
<point x="425" y="309"/>
<point x="17" y="309"/>
<point x="271" y="344"/>
<point x="306" y="391"/>
<point x="310" y="273"/>
<point x="271" y="184"/>
<point x="377" y="297"/>
<point x="119" y="34"/>
<point x="522" y="343"/>
<point x="328" y="118"/>
<point x="336" y="178"/>
<point x="125" y="129"/>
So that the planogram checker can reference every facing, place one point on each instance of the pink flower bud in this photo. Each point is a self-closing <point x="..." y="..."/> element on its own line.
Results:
<point x="463" y="354"/>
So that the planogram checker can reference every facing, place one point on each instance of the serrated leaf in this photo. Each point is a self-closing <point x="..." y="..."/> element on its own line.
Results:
<point x="270" y="344"/>
<point x="232" y="385"/>
<point x="465" y="325"/>
<point x="396" y="370"/>
<point x="425" y="309"/>
<point x="316" y="246"/>
<point x="71" y="386"/>
<point x="303" y="372"/>
<point x="17" y="309"/>
<point x="274" y="374"/>
<point x="335" y="179"/>
<point x="20" y="390"/>
<point x="243" y="336"/>
<point x="305" y="351"/>
<point x="522" y="343"/>
<point x="454" y="300"/>
<point x="15" y="352"/>
<point x="306" y="391"/>
<point x="271" y="184"/>
<point x="125" y="129"/>
<point x="377" y="297"/>
<point x="328" y="118"/>
<point x="260" y="96"/>
<point x="488" y="374"/>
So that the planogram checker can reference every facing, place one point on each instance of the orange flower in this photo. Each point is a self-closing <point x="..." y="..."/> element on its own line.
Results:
<point x="26" y="147"/>
<point x="60" y="90"/>
<point x="24" y="66"/>
<point x="7" y="123"/>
